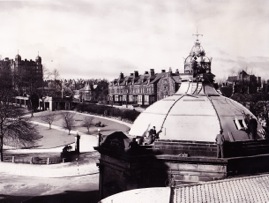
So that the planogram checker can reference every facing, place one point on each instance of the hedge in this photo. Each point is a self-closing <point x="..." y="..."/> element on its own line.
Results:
<point x="124" y="114"/>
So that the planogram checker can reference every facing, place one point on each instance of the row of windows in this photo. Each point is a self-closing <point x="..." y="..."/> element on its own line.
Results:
<point x="119" y="98"/>
<point x="140" y="90"/>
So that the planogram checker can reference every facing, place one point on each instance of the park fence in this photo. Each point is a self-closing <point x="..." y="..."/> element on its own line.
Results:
<point x="33" y="160"/>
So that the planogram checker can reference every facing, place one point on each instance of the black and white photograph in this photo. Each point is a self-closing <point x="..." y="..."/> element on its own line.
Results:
<point x="134" y="101"/>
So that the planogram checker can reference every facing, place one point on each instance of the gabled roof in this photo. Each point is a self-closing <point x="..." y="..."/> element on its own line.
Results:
<point x="232" y="78"/>
<point x="243" y="73"/>
<point x="158" y="76"/>
<point x="144" y="79"/>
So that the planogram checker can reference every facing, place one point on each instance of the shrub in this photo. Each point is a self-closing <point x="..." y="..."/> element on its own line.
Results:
<point x="125" y="114"/>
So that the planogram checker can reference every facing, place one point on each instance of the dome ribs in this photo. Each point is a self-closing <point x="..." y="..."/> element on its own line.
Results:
<point x="211" y="102"/>
<point x="170" y="110"/>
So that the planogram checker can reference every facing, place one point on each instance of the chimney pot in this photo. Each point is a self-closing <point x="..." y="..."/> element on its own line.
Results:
<point x="152" y="72"/>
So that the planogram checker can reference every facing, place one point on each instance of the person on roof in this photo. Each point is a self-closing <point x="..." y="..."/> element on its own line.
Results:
<point x="153" y="135"/>
<point x="220" y="141"/>
<point x="252" y="128"/>
<point x="133" y="144"/>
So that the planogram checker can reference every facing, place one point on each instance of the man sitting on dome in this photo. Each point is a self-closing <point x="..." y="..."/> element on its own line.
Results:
<point x="153" y="135"/>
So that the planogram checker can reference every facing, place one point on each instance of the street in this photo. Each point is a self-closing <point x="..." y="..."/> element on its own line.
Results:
<point x="48" y="190"/>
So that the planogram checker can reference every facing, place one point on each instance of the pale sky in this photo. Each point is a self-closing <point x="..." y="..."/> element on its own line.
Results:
<point x="101" y="38"/>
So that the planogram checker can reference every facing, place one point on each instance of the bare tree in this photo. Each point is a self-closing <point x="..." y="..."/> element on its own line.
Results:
<point x="14" y="128"/>
<point x="87" y="123"/>
<point x="69" y="121"/>
<point x="49" y="118"/>
<point x="55" y="74"/>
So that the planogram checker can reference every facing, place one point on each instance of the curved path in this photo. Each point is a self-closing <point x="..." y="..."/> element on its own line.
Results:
<point x="87" y="142"/>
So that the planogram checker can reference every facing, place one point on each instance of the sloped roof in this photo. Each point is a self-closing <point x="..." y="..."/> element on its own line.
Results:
<point x="145" y="78"/>
<point x="86" y="88"/>
<point x="158" y="76"/>
<point x="177" y="78"/>
<point x="232" y="78"/>
<point x="233" y="190"/>
<point x="246" y="189"/>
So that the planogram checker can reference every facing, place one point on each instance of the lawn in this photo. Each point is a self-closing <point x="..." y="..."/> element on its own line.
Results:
<point x="54" y="138"/>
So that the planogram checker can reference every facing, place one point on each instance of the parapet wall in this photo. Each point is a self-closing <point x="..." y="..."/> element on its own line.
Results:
<point x="186" y="148"/>
<point x="246" y="148"/>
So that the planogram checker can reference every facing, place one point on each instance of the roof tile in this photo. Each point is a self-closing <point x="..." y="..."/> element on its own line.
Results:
<point x="245" y="189"/>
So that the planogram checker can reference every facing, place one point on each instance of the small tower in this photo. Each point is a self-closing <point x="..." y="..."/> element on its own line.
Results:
<point x="38" y="59"/>
<point x="17" y="60"/>
<point x="197" y="63"/>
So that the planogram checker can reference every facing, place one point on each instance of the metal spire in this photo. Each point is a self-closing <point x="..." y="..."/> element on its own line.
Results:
<point x="197" y="34"/>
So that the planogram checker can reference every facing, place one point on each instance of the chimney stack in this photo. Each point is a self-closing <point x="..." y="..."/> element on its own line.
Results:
<point x="152" y="73"/>
<point x="121" y="75"/>
<point x="136" y="74"/>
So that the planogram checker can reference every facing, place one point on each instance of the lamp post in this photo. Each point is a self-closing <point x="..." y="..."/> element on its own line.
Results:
<point x="99" y="137"/>
<point x="77" y="143"/>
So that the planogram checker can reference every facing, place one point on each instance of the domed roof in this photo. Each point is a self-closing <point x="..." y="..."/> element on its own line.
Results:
<point x="38" y="58"/>
<point x="188" y="59"/>
<point x="197" y="49"/>
<point x="197" y="62"/>
<point x="18" y="57"/>
<point x="206" y="59"/>
<point x="197" y="112"/>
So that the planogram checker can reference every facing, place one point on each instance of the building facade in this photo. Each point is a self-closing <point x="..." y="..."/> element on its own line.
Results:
<point x="87" y="94"/>
<point x="244" y="83"/>
<point x="144" y="89"/>
<point x="28" y="74"/>
<point x="25" y="76"/>
<point x="6" y="76"/>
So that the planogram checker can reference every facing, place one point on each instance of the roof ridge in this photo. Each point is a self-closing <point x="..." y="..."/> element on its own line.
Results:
<point x="224" y="180"/>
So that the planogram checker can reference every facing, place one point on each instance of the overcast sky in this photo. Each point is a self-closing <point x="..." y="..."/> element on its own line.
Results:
<point x="101" y="38"/>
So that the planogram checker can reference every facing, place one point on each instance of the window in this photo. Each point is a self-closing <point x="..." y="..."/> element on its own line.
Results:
<point x="240" y="124"/>
<point x="146" y="99"/>
<point x="116" y="98"/>
<point x="140" y="99"/>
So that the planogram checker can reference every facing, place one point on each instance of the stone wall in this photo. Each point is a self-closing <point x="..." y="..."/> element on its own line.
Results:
<point x="186" y="148"/>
